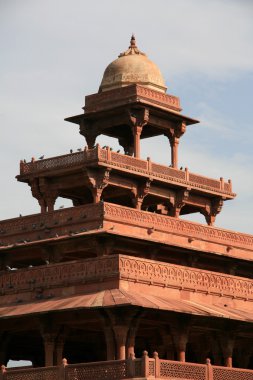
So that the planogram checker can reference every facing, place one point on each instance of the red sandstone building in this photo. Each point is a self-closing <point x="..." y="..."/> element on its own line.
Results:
<point x="120" y="285"/>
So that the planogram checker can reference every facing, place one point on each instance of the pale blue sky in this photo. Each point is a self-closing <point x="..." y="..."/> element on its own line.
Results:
<point x="54" y="52"/>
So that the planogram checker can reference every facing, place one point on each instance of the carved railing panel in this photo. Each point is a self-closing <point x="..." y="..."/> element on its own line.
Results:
<point x="201" y="180"/>
<point x="181" y="370"/>
<point x="67" y="160"/>
<point x="47" y="373"/>
<point x="166" y="171"/>
<point x="115" y="370"/>
<point x="113" y="159"/>
<point x="122" y="369"/>
<point x="223" y="373"/>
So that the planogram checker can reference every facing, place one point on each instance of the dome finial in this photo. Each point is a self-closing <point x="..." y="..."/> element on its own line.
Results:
<point x="132" y="42"/>
<point x="132" y="48"/>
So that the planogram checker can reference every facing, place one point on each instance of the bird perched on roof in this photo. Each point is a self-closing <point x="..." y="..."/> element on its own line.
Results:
<point x="9" y="268"/>
<point x="41" y="157"/>
<point x="118" y="151"/>
<point x="79" y="149"/>
<point x="181" y="168"/>
<point x="71" y="150"/>
<point x="20" y="215"/>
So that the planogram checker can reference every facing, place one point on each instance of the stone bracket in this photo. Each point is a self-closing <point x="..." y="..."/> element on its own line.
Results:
<point x="97" y="181"/>
<point x="140" y="192"/>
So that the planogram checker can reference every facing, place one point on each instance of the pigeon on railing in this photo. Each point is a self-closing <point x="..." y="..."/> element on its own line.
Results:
<point x="9" y="268"/>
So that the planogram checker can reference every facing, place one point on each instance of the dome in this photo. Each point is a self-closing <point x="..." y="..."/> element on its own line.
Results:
<point x="132" y="67"/>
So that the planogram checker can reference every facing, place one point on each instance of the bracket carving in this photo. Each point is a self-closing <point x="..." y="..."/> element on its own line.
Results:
<point x="97" y="181"/>
<point x="181" y="197"/>
<point x="211" y="211"/>
<point x="140" y="192"/>
<point x="88" y="132"/>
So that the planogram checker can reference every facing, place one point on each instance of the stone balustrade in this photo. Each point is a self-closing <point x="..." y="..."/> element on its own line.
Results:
<point x="146" y="368"/>
<point x="123" y="162"/>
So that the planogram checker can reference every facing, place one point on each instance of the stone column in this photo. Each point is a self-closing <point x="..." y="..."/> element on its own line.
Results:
<point x="120" y="332"/>
<point x="180" y="332"/>
<point x="174" y="141"/>
<point x="227" y="346"/>
<point x="59" y="346"/>
<point x="50" y="199"/>
<point x="110" y="343"/>
<point x="137" y="129"/>
<point x="131" y="342"/>
<point x="49" y="345"/>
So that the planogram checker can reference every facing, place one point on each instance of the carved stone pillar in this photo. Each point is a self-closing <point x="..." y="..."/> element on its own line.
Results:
<point x="110" y="343"/>
<point x="138" y="118"/>
<point x="174" y="142"/>
<point x="131" y="342"/>
<point x="137" y="129"/>
<point x="49" y="346"/>
<point x="227" y="346"/>
<point x="36" y="193"/>
<point x="50" y="200"/>
<point x="180" y="331"/>
<point x="167" y="346"/>
<point x="174" y="135"/>
<point x="59" y="346"/>
<point x="120" y="332"/>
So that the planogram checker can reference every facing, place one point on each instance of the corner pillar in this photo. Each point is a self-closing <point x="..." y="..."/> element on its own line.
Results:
<point x="138" y="119"/>
<point x="174" y="135"/>
<point x="137" y="129"/>
<point x="174" y="142"/>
